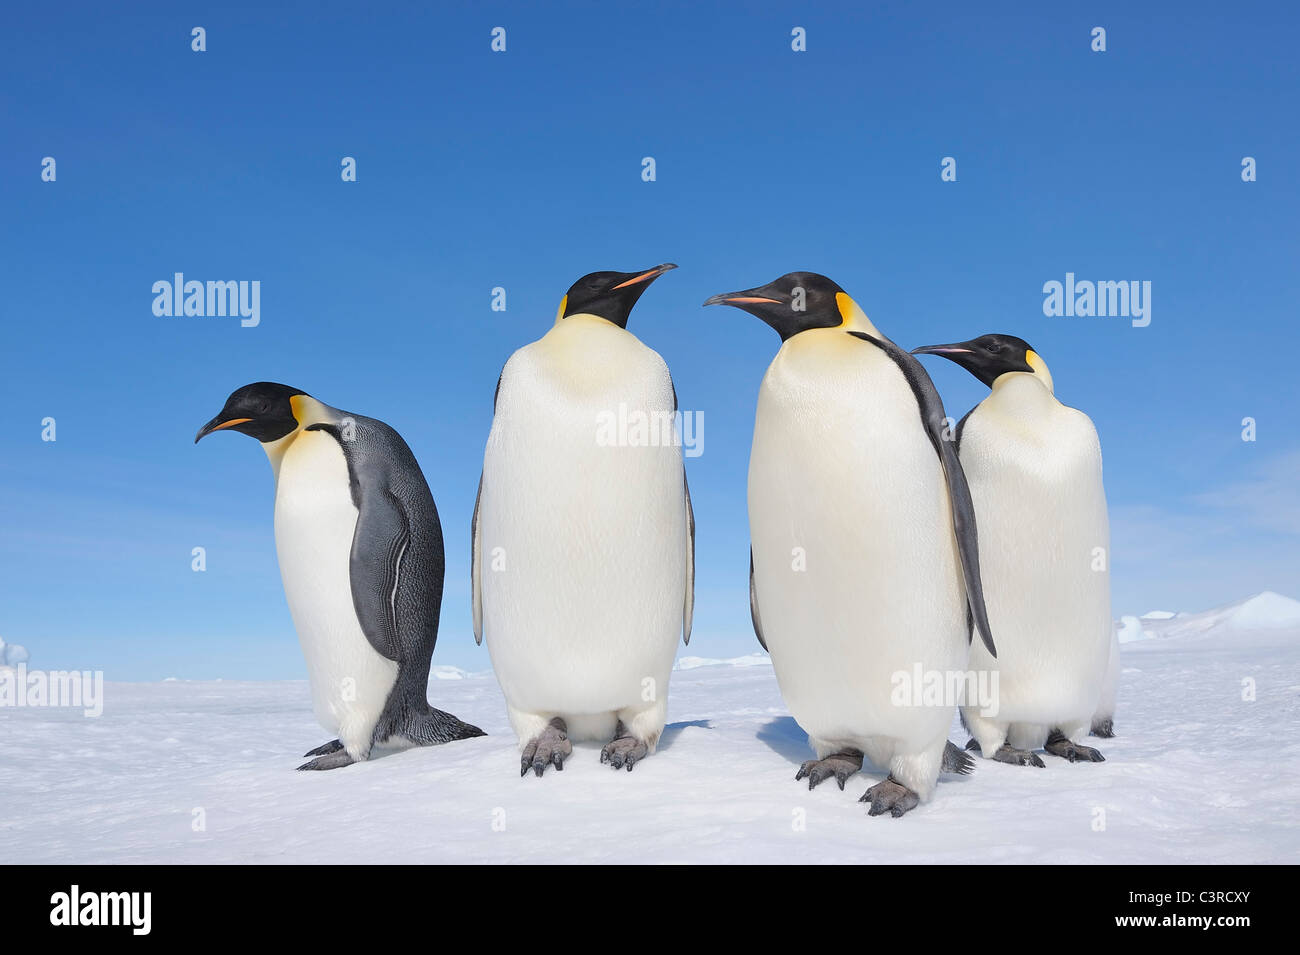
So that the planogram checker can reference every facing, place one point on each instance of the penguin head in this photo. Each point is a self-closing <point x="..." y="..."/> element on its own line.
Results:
<point x="989" y="357"/>
<point x="608" y="295"/>
<point x="797" y="302"/>
<point x="261" y="410"/>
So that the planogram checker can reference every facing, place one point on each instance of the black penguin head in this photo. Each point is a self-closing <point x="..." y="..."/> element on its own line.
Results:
<point x="261" y="410"/>
<point x="609" y="295"/>
<point x="989" y="356"/>
<point x="794" y="303"/>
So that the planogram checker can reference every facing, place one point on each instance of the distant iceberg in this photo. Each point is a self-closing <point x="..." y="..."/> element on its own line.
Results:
<point x="1263" y="612"/>
<point x="12" y="654"/>
<point x="748" y="660"/>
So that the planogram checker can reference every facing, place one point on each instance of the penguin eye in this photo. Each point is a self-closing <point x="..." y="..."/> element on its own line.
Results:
<point x="994" y="348"/>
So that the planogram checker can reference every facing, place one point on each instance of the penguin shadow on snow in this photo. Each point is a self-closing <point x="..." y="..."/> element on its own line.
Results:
<point x="673" y="730"/>
<point x="785" y="737"/>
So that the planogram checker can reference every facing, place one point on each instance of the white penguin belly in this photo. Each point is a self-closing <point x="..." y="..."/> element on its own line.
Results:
<point x="314" y="524"/>
<point x="855" y="562"/>
<point x="582" y="542"/>
<point x="1044" y="557"/>
<point x="1110" y="683"/>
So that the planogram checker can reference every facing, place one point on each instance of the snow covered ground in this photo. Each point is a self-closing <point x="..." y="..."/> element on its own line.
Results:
<point x="1196" y="774"/>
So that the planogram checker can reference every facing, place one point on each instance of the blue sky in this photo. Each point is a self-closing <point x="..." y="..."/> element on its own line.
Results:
<point x="523" y="170"/>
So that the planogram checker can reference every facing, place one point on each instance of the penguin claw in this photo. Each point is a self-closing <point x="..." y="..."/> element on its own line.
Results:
<point x="1018" y="757"/>
<point x="334" y="760"/>
<point x="1058" y="744"/>
<point x="1073" y="751"/>
<point x="550" y="747"/>
<point x="333" y="746"/>
<point x="890" y="796"/>
<point x="1104" y="729"/>
<point x="839" y="765"/>
<point x="622" y="752"/>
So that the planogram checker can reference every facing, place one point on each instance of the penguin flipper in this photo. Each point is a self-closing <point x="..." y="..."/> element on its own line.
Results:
<point x="753" y="603"/>
<point x="688" y="606"/>
<point x="963" y="508"/>
<point x="476" y="572"/>
<point x="963" y="523"/>
<point x="392" y="578"/>
<point x="688" y="610"/>
<point x="378" y="548"/>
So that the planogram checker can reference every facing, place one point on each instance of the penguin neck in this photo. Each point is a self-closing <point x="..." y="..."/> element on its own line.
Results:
<point x="582" y="320"/>
<point x="574" y="339"/>
<point x="308" y="411"/>
<point x="1016" y="382"/>
<point x="1041" y="372"/>
<point x="275" y="449"/>
<point x="833" y="337"/>
<point x="854" y="318"/>
<point x="1021" y="389"/>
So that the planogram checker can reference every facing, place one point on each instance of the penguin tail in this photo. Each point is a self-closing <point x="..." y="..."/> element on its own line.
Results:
<point x="458" y="728"/>
<point x="1105" y="728"/>
<point x="955" y="761"/>
<point x="436" y="726"/>
<point x="467" y="731"/>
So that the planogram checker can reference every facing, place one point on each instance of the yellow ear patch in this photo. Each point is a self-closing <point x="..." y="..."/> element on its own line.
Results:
<point x="852" y="317"/>
<point x="298" y="404"/>
<point x="1041" y="372"/>
<point x="847" y="308"/>
<point x="559" y="312"/>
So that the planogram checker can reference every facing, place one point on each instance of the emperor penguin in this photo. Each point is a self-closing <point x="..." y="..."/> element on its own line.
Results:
<point x="864" y="560"/>
<point x="583" y="534"/>
<point x="361" y="558"/>
<point x="1034" y="467"/>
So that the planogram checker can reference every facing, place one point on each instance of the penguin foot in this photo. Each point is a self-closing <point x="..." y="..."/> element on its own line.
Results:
<point x="334" y="760"/>
<point x="550" y="747"/>
<point x="623" y="750"/>
<point x="840" y="765"/>
<point x="1017" y="757"/>
<point x="1103" y="728"/>
<point x="890" y="796"/>
<point x="333" y="746"/>
<point x="973" y="745"/>
<point x="1059" y="745"/>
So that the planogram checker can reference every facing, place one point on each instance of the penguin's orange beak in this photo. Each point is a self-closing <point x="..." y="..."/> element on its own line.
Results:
<point x="653" y="273"/>
<point x="217" y="425"/>
<point x="941" y="350"/>
<point x="741" y="300"/>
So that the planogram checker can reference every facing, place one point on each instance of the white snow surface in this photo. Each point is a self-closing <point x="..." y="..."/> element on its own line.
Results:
<point x="1196" y="774"/>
